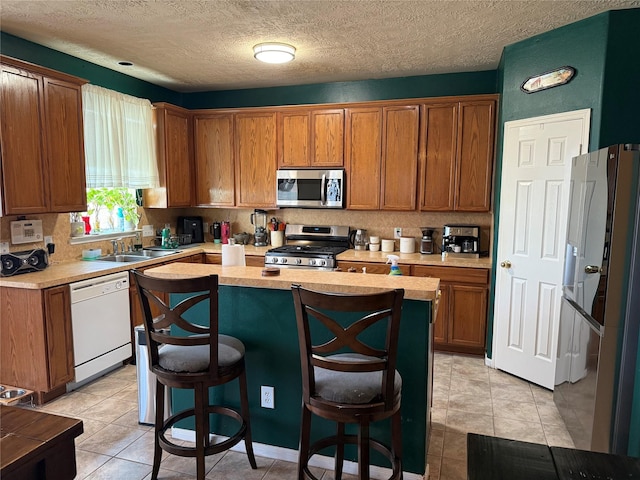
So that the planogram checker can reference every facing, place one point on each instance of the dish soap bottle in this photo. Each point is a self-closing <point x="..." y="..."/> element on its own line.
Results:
<point x="395" y="269"/>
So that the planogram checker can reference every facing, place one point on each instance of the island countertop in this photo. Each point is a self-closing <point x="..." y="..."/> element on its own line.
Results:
<point x="416" y="288"/>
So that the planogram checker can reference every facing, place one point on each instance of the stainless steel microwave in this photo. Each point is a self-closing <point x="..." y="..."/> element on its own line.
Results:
<point x="310" y="188"/>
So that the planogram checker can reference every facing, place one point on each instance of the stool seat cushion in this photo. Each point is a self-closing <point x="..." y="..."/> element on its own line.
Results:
<point x="180" y="358"/>
<point x="352" y="387"/>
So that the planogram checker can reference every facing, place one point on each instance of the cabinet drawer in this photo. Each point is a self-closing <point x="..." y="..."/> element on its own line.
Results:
<point x="372" y="267"/>
<point x="478" y="276"/>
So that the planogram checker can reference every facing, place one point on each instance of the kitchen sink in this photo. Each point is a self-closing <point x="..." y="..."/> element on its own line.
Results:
<point x="137" y="256"/>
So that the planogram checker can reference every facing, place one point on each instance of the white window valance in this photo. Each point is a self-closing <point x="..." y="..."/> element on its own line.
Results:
<point x="119" y="141"/>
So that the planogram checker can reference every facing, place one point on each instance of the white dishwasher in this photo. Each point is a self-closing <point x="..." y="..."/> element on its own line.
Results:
<point x="101" y="325"/>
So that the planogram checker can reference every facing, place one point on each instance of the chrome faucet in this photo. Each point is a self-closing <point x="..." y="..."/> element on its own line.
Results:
<point x="114" y="243"/>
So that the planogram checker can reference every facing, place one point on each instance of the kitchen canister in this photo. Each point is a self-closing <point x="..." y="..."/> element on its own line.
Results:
<point x="387" y="245"/>
<point x="374" y="243"/>
<point x="407" y="245"/>
<point x="277" y="238"/>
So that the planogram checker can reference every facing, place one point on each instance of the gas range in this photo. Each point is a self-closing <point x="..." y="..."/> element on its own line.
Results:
<point x="309" y="246"/>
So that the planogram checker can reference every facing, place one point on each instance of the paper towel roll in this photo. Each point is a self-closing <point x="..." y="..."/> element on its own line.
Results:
<point x="233" y="255"/>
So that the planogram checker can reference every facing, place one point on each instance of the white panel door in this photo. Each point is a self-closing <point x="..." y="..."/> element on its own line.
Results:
<point x="534" y="199"/>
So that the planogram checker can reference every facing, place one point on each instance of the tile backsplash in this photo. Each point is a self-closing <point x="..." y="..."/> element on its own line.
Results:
<point x="379" y="223"/>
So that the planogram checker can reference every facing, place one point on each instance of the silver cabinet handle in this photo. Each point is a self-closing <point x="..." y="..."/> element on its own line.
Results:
<point x="592" y="269"/>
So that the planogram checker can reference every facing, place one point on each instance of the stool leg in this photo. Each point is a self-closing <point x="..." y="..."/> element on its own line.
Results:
<point x="396" y="442"/>
<point x="339" y="451"/>
<point x="363" y="451"/>
<point x="244" y="406"/>
<point x="305" y="434"/>
<point x="201" y="419"/>
<point x="159" y="423"/>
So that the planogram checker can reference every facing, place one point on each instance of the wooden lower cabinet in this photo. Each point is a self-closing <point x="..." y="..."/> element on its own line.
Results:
<point x="36" y="345"/>
<point x="372" y="267"/>
<point x="461" y="322"/>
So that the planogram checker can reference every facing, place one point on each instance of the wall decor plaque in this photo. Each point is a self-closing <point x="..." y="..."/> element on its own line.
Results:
<point x="543" y="81"/>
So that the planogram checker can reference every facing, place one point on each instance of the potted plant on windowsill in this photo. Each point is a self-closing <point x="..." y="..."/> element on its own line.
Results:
<point x="112" y="199"/>
<point x="127" y="201"/>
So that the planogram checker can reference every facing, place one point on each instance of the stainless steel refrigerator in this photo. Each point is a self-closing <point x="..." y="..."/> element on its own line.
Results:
<point x="600" y="312"/>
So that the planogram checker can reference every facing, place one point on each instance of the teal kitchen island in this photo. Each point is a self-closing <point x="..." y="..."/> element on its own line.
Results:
<point x="259" y="311"/>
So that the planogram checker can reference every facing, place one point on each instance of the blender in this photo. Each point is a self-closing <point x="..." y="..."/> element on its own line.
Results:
<point x="426" y="244"/>
<point x="259" y="221"/>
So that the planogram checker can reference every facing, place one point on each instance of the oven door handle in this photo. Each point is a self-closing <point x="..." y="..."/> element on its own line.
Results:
<point x="323" y="190"/>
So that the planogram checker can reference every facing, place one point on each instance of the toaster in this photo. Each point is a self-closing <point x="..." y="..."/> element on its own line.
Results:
<point x="24" y="262"/>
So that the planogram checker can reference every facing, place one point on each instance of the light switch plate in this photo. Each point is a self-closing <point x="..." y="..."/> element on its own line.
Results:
<point x="147" y="231"/>
<point x="4" y="247"/>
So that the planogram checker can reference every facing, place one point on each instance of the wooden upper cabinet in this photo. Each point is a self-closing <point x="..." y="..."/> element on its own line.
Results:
<point x="65" y="146"/>
<point x="458" y="161"/>
<point x="175" y="159"/>
<point x="363" y="150"/>
<point x="41" y="133"/>
<point x="327" y="138"/>
<point x="400" y="131"/>
<point x="439" y="169"/>
<point x="475" y="156"/>
<point x="311" y="138"/>
<point x="255" y="157"/>
<point x="214" y="160"/>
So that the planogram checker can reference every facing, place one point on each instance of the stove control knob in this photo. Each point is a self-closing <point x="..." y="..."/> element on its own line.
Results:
<point x="322" y="262"/>
<point x="283" y="260"/>
<point x="312" y="262"/>
<point x="298" y="261"/>
<point x="274" y="260"/>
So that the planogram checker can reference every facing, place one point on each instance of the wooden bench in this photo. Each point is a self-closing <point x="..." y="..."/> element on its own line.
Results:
<point x="36" y="445"/>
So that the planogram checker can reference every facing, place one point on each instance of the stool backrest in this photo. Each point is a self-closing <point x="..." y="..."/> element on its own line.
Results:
<point x="330" y="324"/>
<point x="160" y="316"/>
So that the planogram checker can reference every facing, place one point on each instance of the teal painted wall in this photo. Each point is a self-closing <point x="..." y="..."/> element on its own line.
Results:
<point x="358" y="91"/>
<point x="32" y="52"/>
<point x="264" y="320"/>
<point x="620" y="121"/>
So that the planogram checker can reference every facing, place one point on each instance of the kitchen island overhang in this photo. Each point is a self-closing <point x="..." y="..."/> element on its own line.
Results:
<point x="259" y="311"/>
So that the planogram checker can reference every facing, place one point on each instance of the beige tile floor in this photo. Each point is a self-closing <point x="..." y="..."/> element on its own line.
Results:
<point x="468" y="397"/>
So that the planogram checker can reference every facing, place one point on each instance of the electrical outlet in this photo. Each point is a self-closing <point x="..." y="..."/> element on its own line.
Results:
<point x="205" y="226"/>
<point x="147" y="231"/>
<point x="266" y="397"/>
<point x="48" y="239"/>
<point x="397" y="232"/>
<point x="4" y="247"/>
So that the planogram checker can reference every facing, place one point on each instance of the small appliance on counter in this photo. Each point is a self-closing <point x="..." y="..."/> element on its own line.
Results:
<point x="193" y="226"/>
<point x="360" y="239"/>
<point x="24" y="262"/>
<point x="461" y="241"/>
<point x="259" y="221"/>
<point x="426" y="243"/>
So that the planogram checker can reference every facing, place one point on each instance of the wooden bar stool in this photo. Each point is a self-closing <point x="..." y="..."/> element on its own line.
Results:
<point x="198" y="359"/>
<point x="348" y="351"/>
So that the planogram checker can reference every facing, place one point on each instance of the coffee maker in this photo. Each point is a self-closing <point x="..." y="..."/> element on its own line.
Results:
<point x="461" y="241"/>
<point x="259" y="221"/>
<point x="426" y="243"/>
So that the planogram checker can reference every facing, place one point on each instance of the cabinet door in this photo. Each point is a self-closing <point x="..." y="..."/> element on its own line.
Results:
<point x="65" y="146"/>
<point x="373" y="267"/>
<point x="400" y="157"/>
<point x="441" y="323"/>
<point x="59" y="334"/>
<point x="439" y="167"/>
<point x="475" y="156"/>
<point x="327" y="138"/>
<point x="362" y="160"/>
<point x="255" y="148"/>
<point x="468" y="318"/>
<point x="213" y="258"/>
<point x="175" y="163"/>
<point x="214" y="160"/>
<point x="23" y="159"/>
<point x="294" y="136"/>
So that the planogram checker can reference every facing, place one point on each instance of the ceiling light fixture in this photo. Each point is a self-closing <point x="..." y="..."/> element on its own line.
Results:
<point x="274" y="52"/>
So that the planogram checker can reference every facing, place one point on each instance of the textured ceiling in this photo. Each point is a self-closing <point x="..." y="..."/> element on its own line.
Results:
<point x="202" y="45"/>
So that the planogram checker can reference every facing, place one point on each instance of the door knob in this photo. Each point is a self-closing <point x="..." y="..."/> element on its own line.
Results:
<point x="592" y="269"/>
<point x="505" y="264"/>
